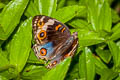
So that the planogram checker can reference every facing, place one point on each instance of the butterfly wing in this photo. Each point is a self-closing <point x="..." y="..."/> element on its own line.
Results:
<point x="53" y="40"/>
<point x="49" y="35"/>
<point x="66" y="50"/>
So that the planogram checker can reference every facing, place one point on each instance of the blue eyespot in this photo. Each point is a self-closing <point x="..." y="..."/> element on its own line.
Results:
<point x="49" y="48"/>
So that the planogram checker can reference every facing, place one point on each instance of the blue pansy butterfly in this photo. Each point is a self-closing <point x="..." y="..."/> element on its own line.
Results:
<point x="53" y="40"/>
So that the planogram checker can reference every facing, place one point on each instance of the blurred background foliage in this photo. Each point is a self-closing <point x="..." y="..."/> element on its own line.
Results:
<point x="96" y="21"/>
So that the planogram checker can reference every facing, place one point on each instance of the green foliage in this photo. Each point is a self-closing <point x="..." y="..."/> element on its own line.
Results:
<point x="10" y="17"/>
<point x="86" y="65"/>
<point x="19" y="53"/>
<point x="98" y="27"/>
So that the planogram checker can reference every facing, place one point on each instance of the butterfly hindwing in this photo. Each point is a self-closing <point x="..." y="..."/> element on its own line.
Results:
<point x="66" y="50"/>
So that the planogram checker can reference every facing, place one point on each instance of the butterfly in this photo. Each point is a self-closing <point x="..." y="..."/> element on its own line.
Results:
<point x="53" y="41"/>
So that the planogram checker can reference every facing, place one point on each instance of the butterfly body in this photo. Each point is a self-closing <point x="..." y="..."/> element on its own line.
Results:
<point x="53" y="40"/>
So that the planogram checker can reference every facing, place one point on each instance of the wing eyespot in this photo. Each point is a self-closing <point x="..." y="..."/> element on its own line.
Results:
<point x="42" y="35"/>
<point x="54" y="63"/>
<point x="60" y="28"/>
<point x="40" y="24"/>
<point x="43" y="51"/>
<point x="63" y="30"/>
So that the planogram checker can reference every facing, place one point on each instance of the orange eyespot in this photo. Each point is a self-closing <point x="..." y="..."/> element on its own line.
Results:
<point x="63" y="30"/>
<point x="42" y="35"/>
<point x="43" y="52"/>
<point x="57" y="27"/>
<point x="40" y="24"/>
<point x="55" y="62"/>
<point x="52" y="64"/>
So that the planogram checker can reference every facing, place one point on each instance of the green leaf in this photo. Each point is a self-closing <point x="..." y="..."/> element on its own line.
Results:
<point x="87" y="38"/>
<point x="73" y="72"/>
<point x="34" y="60"/>
<point x="86" y="65"/>
<point x="105" y="20"/>
<point x="108" y="74"/>
<point x="78" y="23"/>
<point x="115" y="16"/>
<point x="4" y="65"/>
<point x="21" y="45"/>
<point x="79" y="48"/>
<point x="104" y="54"/>
<point x="4" y="71"/>
<point x="82" y="2"/>
<point x="115" y="51"/>
<point x="46" y="7"/>
<point x="118" y="44"/>
<point x="3" y="59"/>
<point x="32" y="55"/>
<point x="11" y="15"/>
<point x="93" y="11"/>
<point x="58" y="73"/>
<point x="34" y="72"/>
<point x="99" y="14"/>
<point x="116" y="27"/>
<point x="71" y="2"/>
<point x="99" y="64"/>
<point x="2" y="5"/>
<point x="100" y="67"/>
<point x="32" y="9"/>
<point x="61" y="3"/>
<point x="82" y="14"/>
<point x="67" y="13"/>
<point x="118" y="78"/>
<point x="116" y="32"/>
<point x="1" y="42"/>
<point x="3" y="78"/>
<point x="101" y="45"/>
